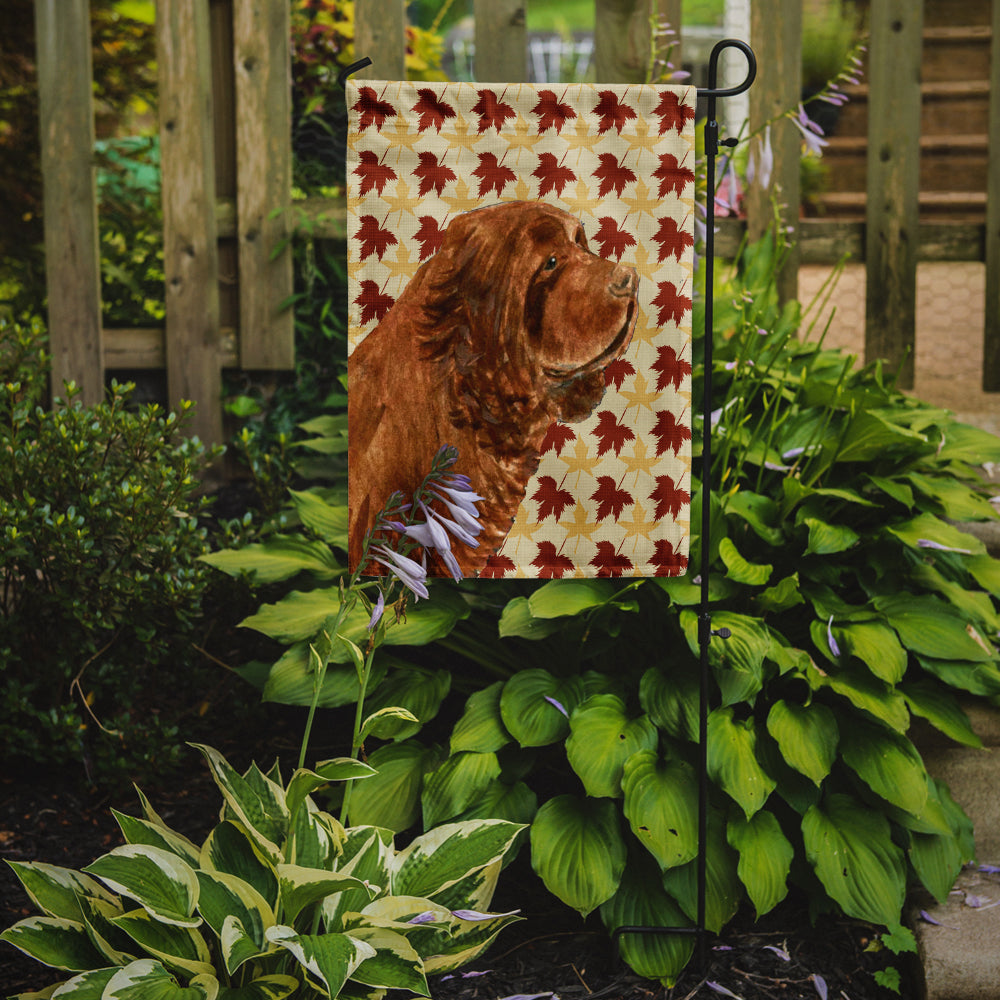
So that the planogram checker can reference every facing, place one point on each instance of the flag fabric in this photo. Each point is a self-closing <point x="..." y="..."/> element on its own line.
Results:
<point x="600" y="483"/>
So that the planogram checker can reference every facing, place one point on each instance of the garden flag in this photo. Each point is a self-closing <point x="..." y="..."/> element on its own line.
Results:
<point x="520" y="281"/>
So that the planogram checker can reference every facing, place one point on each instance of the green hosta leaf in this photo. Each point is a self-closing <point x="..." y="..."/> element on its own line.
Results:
<point x="438" y="859"/>
<point x="159" y="881"/>
<point x="330" y="959"/>
<point x="274" y="987"/>
<point x="395" y="964"/>
<point x="180" y="948"/>
<point x="760" y="512"/>
<point x="864" y="692"/>
<point x="527" y="711"/>
<point x="783" y="595"/>
<point x="723" y="889"/>
<point x="225" y="897"/>
<point x="957" y="501"/>
<point x="828" y="539"/>
<point x="976" y="678"/>
<point x="941" y="709"/>
<point x="850" y="847"/>
<point x="578" y="851"/>
<point x="986" y="572"/>
<point x="279" y="558"/>
<point x="732" y="760"/>
<point x="893" y="488"/>
<point x="54" y="941"/>
<point x="641" y="901"/>
<point x="559" y="598"/>
<point x="147" y="979"/>
<point x="230" y="849"/>
<point x="928" y="528"/>
<point x="671" y="699"/>
<point x="738" y="661"/>
<point x="516" y="803"/>
<point x="807" y="736"/>
<point x="937" y="859"/>
<point x="870" y="436"/>
<point x="415" y="689"/>
<point x="602" y="738"/>
<point x="292" y="680"/>
<point x="56" y="891"/>
<point x="888" y="763"/>
<point x="304" y="782"/>
<point x="931" y="628"/>
<point x="876" y="646"/>
<point x="765" y="858"/>
<point x="456" y="784"/>
<point x="738" y="569"/>
<point x="141" y="831"/>
<point x="965" y="443"/>
<point x="517" y="621"/>
<point x="661" y="798"/>
<point x="975" y="605"/>
<point x="391" y="798"/>
<point x="327" y="520"/>
<point x="481" y="728"/>
<point x="301" y="887"/>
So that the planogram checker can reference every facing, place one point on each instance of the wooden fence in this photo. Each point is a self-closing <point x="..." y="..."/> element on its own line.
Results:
<point x="226" y="161"/>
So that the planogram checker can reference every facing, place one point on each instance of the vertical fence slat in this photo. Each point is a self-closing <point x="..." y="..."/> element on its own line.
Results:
<point x="501" y="41"/>
<point x="72" y="257"/>
<point x="190" y="254"/>
<point x="991" y="332"/>
<point x="776" y="34"/>
<point x="380" y="34"/>
<point x="621" y="40"/>
<point x="261" y="32"/>
<point x="893" y="183"/>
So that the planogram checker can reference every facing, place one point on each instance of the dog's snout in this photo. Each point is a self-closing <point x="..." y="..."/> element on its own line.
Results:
<point x="624" y="281"/>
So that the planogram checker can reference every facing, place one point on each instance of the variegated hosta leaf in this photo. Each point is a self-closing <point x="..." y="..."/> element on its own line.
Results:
<point x="86" y="986"/>
<point x="481" y="727"/>
<point x="888" y="763"/>
<point x="367" y="854"/>
<point x="56" y="891"/>
<point x="329" y="959"/>
<point x="230" y="849"/>
<point x="141" y="831"/>
<point x="807" y="736"/>
<point x="765" y="858"/>
<point x="147" y="979"/>
<point x="476" y="890"/>
<point x="535" y="706"/>
<point x="850" y="847"/>
<point x="441" y="857"/>
<point x="732" y="760"/>
<point x="315" y="838"/>
<point x="601" y="739"/>
<point x="467" y="940"/>
<point x="177" y="947"/>
<point x="158" y="880"/>
<point x="273" y="987"/>
<point x="395" y="964"/>
<point x="661" y="799"/>
<point x="642" y="902"/>
<point x="225" y="897"/>
<point x="116" y="946"/>
<point x="456" y="784"/>
<point x="304" y="782"/>
<point x="300" y="887"/>
<point x="54" y="941"/>
<point x="578" y="851"/>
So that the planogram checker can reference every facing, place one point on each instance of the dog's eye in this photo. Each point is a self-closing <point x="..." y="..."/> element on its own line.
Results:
<point x="551" y="264"/>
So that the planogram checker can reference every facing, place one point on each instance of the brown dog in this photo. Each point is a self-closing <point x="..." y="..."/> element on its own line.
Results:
<point x="506" y="329"/>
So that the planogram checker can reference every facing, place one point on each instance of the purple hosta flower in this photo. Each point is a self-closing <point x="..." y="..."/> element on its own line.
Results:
<point x="927" y="543"/>
<point x="412" y="575"/>
<point x="728" y="194"/>
<point x="475" y="915"/>
<point x="760" y="165"/>
<point x="557" y="704"/>
<point x="989" y="869"/>
<point x="427" y="917"/>
<point x="377" y="612"/>
<point x="780" y="952"/>
<point x="820" y="984"/>
<point x="719" y="988"/>
<point x="811" y="132"/>
<point x="834" y="648"/>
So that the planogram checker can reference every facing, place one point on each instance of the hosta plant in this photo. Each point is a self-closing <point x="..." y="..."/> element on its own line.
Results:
<point x="279" y="900"/>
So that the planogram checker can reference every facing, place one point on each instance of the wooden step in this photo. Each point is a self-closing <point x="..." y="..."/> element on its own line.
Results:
<point x="956" y="53"/>
<point x="960" y="206"/>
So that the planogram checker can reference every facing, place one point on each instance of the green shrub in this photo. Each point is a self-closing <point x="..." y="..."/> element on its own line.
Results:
<point x="101" y="584"/>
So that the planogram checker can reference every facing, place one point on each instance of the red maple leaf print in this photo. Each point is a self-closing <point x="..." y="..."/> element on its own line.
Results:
<point x="432" y="174"/>
<point x="551" y="563"/>
<point x="557" y="437"/>
<point x="551" y="499"/>
<point x="672" y="304"/>
<point x="669" y="433"/>
<point x="374" y="303"/>
<point x="673" y="177"/>
<point x="552" y="113"/>
<point x="496" y="566"/>
<point x="552" y="174"/>
<point x="670" y="499"/>
<point x="671" y="369"/>
<point x="612" y="175"/>
<point x="612" y="239"/>
<point x="493" y="176"/>
<point x="431" y="110"/>
<point x="611" y="500"/>
<point x="492" y="111"/>
<point x="672" y="239"/>
<point x="673" y="114"/>
<point x="372" y="111"/>
<point x="372" y="173"/>
<point x="612" y="434"/>
<point x="430" y="236"/>
<point x="615" y="373"/>
<point x="666" y="561"/>
<point x="609" y="562"/>
<point x="613" y="113"/>
<point x="374" y="239"/>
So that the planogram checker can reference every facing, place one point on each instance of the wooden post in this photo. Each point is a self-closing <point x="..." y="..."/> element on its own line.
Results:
<point x="380" y="34"/>
<point x="621" y="40"/>
<point x="776" y="34"/>
<point x="72" y="256"/>
<point x="893" y="183"/>
<point x="991" y="333"/>
<point x="501" y="41"/>
<point x="262" y="61"/>
<point x="190" y="254"/>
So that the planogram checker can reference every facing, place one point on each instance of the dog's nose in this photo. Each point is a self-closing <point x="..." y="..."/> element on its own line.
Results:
<point x="624" y="281"/>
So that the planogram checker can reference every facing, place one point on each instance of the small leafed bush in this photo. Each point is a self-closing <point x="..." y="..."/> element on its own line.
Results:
<point x="280" y="899"/>
<point x="99" y="574"/>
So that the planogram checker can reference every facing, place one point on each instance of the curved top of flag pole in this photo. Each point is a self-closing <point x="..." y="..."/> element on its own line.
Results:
<point x="712" y="90"/>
